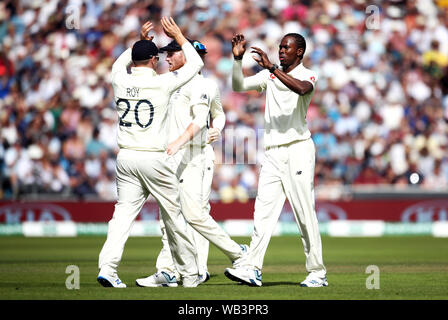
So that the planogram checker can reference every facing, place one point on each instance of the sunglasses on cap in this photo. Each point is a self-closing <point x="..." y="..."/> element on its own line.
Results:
<point x="199" y="46"/>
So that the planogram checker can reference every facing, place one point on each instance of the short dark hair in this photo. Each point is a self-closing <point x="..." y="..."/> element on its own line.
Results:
<point x="141" y="62"/>
<point x="300" y="41"/>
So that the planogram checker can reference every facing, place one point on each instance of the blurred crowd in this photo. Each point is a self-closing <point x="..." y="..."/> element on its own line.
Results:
<point x="379" y="114"/>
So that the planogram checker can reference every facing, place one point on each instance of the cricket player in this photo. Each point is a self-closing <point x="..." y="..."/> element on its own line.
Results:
<point x="143" y="167"/>
<point x="190" y="107"/>
<point x="214" y="133"/>
<point x="288" y="168"/>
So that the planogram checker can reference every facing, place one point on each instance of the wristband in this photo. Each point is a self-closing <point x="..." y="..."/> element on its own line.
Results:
<point x="238" y="57"/>
<point x="273" y="68"/>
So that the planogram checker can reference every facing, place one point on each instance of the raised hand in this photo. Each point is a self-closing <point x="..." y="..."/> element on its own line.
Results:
<point x="238" y="45"/>
<point x="262" y="58"/>
<point x="170" y="27"/>
<point x="145" y="30"/>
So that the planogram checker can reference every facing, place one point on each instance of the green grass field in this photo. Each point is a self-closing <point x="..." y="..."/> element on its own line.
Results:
<point x="410" y="268"/>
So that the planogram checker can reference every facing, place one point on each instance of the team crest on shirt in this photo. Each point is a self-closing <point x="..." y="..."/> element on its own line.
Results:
<point x="272" y="76"/>
<point x="313" y="79"/>
<point x="204" y="97"/>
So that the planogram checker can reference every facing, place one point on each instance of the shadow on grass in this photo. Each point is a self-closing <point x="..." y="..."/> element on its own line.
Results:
<point x="265" y="284"/>
<point x="280" y="283"/>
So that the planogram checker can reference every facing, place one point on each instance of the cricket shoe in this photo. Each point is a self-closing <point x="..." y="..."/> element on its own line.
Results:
<point x="238" y="262"/>
<point x="204" y="277"/>
<point x="158" y="279"/>
<point x="108" y="281"/>
<point x="250" y="277"/>
<point x="313" y="281"/>
<point x="191" y="282"/>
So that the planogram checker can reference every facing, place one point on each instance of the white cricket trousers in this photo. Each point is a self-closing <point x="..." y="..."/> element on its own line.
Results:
<point x="140" y="173"/>
<point x="195" y="177"/>
<point x="202" y="244"/>
<point x="287" y="172"/>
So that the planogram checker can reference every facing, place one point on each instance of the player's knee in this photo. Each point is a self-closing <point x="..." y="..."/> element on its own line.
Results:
<point x="197" y="220"/>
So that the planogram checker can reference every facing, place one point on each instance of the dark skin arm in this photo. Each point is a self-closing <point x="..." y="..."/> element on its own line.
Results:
<point x="298" y="86"/>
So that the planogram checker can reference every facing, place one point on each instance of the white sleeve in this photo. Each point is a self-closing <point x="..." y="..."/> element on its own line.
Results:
<point x="121" y="64"/>
<point x="176" y="79"/>
<point x="217" y="112"/>
<point x="199" y="103"/>
<point x="240" y="83"/>
<point x="310" y="76"/>
<point x="200" y="115"/>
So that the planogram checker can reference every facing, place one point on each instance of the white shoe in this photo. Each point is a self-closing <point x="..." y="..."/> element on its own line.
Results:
<point x="107" y="280"/>
<point x="158" y="279"/>
<point x="250" y="277"/>
<point x="191" y="282"/>
<point x="204" y="277"/>
<point x="313" y="281"/>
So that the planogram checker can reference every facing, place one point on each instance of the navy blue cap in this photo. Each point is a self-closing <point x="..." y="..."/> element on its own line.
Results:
<point x="171" y="47"/>
<point x="144" y="50"/>
<point x="174" y="46"/>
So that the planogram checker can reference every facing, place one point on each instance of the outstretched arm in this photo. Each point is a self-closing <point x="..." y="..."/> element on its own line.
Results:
<point x="186" y="136"/>
<point x="298" y="86"/>
<point x="239" y="83"/>
<point x="124" y="61"/>
<point x="172" y="30"/>
<point x="199" y="122"/>
<point x="194" y="63"/>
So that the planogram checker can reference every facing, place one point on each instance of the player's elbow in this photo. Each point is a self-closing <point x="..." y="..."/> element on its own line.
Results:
<point x="199" y="124"/>
<point x="200" y="63"/>
<point x="300" y="92"/>
<point x="196" y="64"/>
<point x="197" y="221"/>
<point x="302" y="89"/>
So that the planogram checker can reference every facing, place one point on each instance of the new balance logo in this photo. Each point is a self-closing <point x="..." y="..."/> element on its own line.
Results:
<point x="168" y="277"/>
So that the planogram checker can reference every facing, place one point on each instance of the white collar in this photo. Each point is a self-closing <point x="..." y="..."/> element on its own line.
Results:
<point x="299" y="67"/>
<point x="143" y="70"/>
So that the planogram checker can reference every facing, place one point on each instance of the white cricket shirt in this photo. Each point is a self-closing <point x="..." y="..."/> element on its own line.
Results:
<point x="142" y="98"/>
<point x="192" y="103"/>
<point x="285" y="110"/>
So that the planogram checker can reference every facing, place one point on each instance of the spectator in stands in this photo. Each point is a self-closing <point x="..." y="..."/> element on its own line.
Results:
<point x="373" y="83"/>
